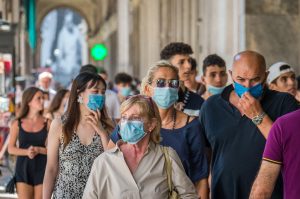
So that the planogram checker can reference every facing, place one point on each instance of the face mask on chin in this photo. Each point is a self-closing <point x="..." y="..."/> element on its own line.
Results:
<point x="215" y="90"/>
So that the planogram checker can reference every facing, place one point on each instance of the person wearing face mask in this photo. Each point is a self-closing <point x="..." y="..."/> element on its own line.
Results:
<point x="236" y="124"/>
<point x="76" y="139"/>
<point x="214" y="75"/>
<point x="123" y="85"/>
<point x="58" y="104"/>
<point x="179" y="131"/>
<point x="136" y="166"/>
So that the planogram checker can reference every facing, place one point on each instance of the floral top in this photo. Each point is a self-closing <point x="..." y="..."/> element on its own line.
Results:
<point x="75" y="163"/>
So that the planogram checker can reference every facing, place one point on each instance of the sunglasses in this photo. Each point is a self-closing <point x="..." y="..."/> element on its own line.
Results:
<point x="172" y="83"/>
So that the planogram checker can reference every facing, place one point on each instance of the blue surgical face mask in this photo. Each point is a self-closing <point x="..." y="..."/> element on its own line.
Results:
<point x="256" y="91"/>
<point x="132" y="131"/>
<point x="125" y="91"/>
<point x="215" y="90"/>
<point x="96" y="102"/>
<point x="165" y="97"/>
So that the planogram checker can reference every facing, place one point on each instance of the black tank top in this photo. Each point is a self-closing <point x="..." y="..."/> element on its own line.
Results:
<point x="27" y="139"/>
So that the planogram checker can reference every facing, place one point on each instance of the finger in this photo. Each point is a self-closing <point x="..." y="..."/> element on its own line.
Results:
<point x="93" y="119"/>
<point x="249" y="97"/>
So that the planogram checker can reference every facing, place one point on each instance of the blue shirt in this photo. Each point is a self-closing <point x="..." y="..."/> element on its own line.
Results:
<point x="189" y="145"/>
<point x="237" y="144"/>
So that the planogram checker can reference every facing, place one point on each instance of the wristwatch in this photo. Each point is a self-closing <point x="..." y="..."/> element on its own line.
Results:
<point x="257" y="120"/>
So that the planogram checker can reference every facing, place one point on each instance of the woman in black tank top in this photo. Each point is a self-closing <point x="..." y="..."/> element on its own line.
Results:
<point x="30" y="130"/>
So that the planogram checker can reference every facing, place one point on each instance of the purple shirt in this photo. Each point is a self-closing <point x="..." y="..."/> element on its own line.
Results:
<point x="282" y="148"/>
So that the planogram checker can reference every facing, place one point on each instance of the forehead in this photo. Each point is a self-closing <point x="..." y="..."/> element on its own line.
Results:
<point x="247" y="68"/>
<point x="215" y="68"/>
<point x="97" y="85"/>
<point x="165" y="73"/>
<point x="287" y="74"/>
<point x="133" y="110"/>
<point x="176" y="58"/>
<point x="38" y="94"/>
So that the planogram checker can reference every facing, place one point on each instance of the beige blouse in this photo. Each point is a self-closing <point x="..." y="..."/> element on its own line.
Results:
<point x="110" y="177"/>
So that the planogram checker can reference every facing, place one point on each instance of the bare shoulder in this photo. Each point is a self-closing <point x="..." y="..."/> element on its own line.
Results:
<point x="56" y="127"/>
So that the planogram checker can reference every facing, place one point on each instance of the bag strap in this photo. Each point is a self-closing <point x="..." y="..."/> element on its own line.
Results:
<point x="168" y="167"/>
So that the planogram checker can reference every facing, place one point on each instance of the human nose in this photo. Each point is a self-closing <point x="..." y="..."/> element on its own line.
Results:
<point x="291" y="81"/>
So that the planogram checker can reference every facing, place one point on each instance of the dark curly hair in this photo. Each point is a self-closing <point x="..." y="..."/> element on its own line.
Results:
<point x="175" y="48"/>
<point x="213" y="59"/>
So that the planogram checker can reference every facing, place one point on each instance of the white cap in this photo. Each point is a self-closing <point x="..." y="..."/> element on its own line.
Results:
<point x="45" y="75"/>
<point x="275" y="71"/>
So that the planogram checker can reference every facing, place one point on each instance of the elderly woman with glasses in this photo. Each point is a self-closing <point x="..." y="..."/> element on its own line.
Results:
<point x="136" y="166"/>
<point x="179" y="131"/>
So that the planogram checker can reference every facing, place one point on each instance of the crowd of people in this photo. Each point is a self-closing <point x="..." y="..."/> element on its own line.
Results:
<point x="175" y="134"/>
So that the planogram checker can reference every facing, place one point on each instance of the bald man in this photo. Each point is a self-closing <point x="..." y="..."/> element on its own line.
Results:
<point x="236" y="124"/>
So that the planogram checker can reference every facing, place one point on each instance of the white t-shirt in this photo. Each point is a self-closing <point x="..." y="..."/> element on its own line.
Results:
<point x="112" y="104"/>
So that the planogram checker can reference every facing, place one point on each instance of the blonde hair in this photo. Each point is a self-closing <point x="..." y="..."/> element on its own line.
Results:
<point x="147" y="108"/>
<point x="152" y="69"/>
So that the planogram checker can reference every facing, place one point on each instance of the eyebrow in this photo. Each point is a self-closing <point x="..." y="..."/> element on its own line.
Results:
<point x="247" y="78"/>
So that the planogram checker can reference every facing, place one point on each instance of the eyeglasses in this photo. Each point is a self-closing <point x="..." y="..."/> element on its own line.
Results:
<point x="172" y="83"/>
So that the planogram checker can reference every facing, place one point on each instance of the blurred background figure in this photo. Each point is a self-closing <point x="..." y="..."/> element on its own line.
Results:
<point x="191" y="83"/>
<point x="214" y="75"/>
<point x="58" y="104"/>
<point x="44" y="83"/>
<point x="112" y="101"/>
<point x="30" y="131"/>
<point x="282" y="78"/>
<point x="123" y="83"/>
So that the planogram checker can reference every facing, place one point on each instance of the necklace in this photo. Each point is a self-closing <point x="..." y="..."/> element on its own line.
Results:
<point x="174" y="118"/>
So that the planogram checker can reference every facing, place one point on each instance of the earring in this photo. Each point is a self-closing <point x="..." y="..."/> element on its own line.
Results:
<point x="80" y="100"/>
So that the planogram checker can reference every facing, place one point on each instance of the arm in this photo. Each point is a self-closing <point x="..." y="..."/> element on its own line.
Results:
<point x="52" y="158"/>
<point x="251" y="107"/>
<point x="13" y="136"/>
<point x="182" y="183"/>
<point x="202" y="188"/>
<point x="198" y="161"/>
<point x="265" y="181"/>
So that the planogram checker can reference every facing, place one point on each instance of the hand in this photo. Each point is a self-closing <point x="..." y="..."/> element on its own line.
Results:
<point x="249" y="105"/>
<point x="94" y="119"/>
<point x="31" y="152"/>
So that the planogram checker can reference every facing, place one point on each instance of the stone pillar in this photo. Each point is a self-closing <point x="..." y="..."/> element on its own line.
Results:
<point x="149" y="34"/>
<point x="223" y="31"/>
<point x="123" y="36"/>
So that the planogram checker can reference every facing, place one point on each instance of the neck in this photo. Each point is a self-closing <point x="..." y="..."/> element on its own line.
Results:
<point x="166" y="114"/>
<point x="33" y="114"/>
<point x="206" y="95"/>
<point x="83" y="113"/>
<point x="141" y="147"/>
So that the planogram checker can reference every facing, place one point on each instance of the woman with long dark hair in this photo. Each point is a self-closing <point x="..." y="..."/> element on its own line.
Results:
<point x="57" y="106"/>
<point x="77" y="139"/>
<point x="30" y="129"/>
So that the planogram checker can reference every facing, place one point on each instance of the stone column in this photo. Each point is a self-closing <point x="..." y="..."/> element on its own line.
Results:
<point x="123" y="36"/>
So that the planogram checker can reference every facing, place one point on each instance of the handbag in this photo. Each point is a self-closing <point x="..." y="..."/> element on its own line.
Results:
<point x="173" y="194"/>
<point x="10" y="186"/>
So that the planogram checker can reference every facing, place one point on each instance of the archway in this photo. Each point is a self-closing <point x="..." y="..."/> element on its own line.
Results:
<point x="64" y="48"/>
